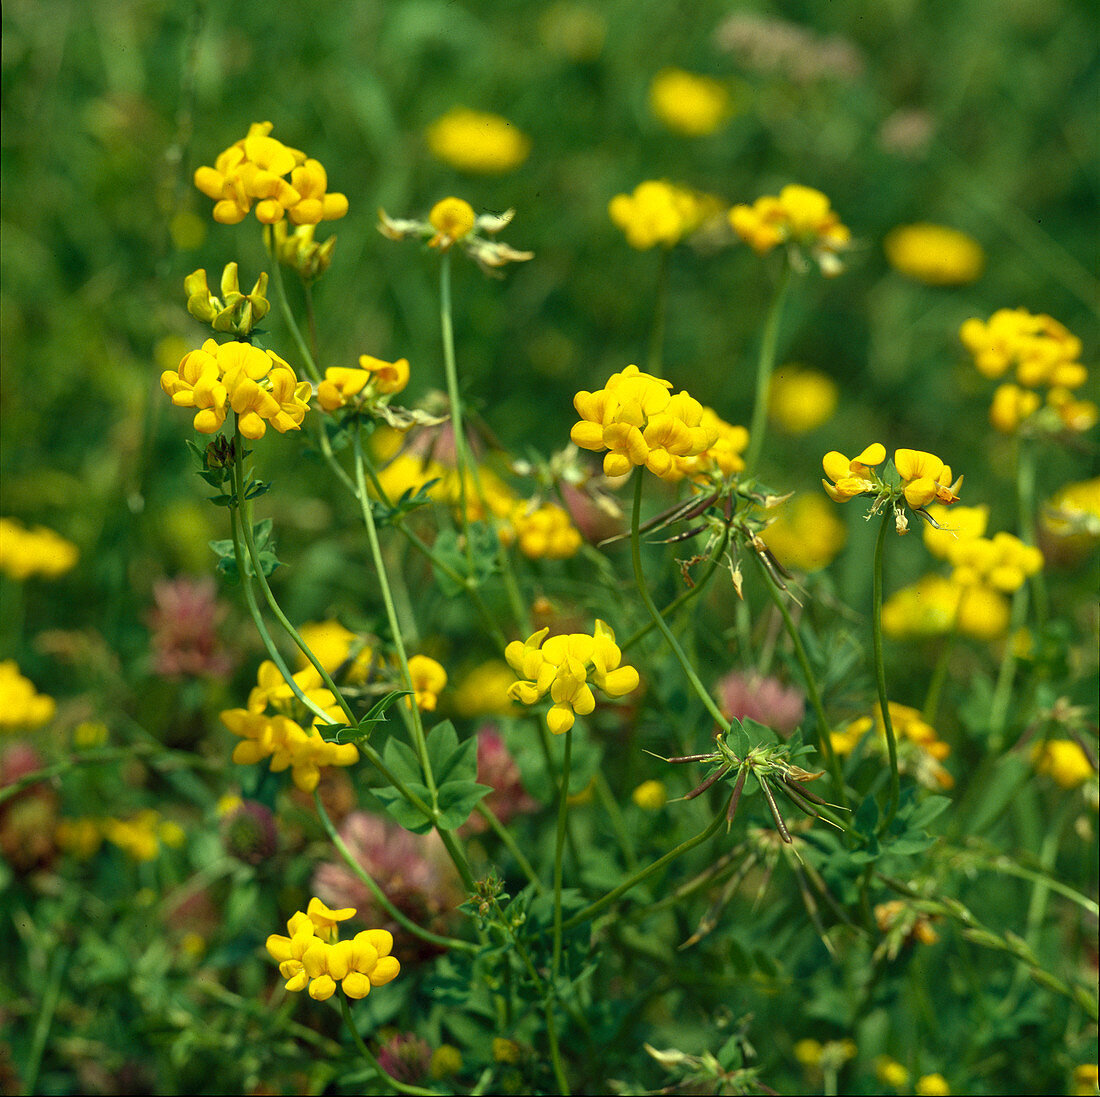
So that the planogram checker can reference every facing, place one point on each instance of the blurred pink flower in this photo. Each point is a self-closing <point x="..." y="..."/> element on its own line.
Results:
<point x="496" y="767"/>
<point x="413" y="870"/>
<point x="766" y="700"/>
<point x="184" y="623"/>
<point x="405" y="1057"/>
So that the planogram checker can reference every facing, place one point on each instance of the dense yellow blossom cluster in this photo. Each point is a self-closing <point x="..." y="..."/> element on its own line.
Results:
<point x="139" y="836"/>
<point x="562" y="666"/>
<point x="36" y="551"/>
<point x="283" y="182"/>
<point x="638" y="421"/>
<point x="345" y="386"/>
<point x="267" y="729"/>
<point x="659" y="212"/>
<point x="1045" y="354"/>
<point x="256" y="384"/>
<point x="688" y="103"/>
<point x="721" y="459"/>
<point x="21" y="707"/>
<point x="337" y="647"/>
<point x="477" y="142"/>
<point x="542" y="532"/>
<point x="920" y="750"/>
<point x="312" y="956"/>
<point x="798" y="216"/>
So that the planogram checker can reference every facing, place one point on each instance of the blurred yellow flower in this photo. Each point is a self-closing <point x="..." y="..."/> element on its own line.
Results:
<point x="1011" y="405"/>
<point x="477" y="142"/>
<point x="1084" y="1080"/>
<point x="21" y="708"/>
<point x="806" y="535"/>
<point x="334" y="646"/>
<point x="800" y="216"/>
<point x="934" y="254"/>
<point x="920" y="750"/>
<point x="659" y="212"/>
<point x="688" y="103"/>
<point x="929" y="607"/>
<point x="452" y="219"/>
<point x="1064" y="760"/>
<point x="36" y="551"/>
<point x="1073" y="514"/>
<point x="484" y="691"/>
<point x="650" y="795"/>
<point x="932" y="1085"/>
<point x="446" y="1060"/>
<point x="956" y="524"/>
<point x="801" y="399"/>
<point x="428" y="679"/>
<point x="890" y="1072"/>
<point x="544" y="532"/>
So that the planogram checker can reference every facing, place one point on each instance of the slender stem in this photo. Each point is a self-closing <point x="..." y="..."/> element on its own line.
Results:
<point x="502" y="832"/>
<point x="824" y="727"/>
<point x="46" y="1010"/>
<point x="419" y="741"/>
<point x="245" y="508"/>
<point x="402" y="919"/>
<point x="618" y="823"/>
<point x="311" y="316"/>
<point x="389" y="1079"/>
<point x="939" y="673"/>
<point x="765" y="364"/>
<point x="1025" y="504"/>
<point x="593" y="909"/>
<point x="660" y="315"/>
<point x="555" y="1054"/>
<point x="559" y="848"/>
<point x="285" y="309"/>
<point x="1002" y="691"/>
<point x="654" y="613"/>
<point x="880" y="670"/>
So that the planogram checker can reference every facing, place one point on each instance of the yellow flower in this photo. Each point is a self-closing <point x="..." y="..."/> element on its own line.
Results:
<point x="428" y="679"/>
<point x="920" y="750"/>
<point x="799" y="216"/>
<point x="808" y="1052"/>
<point x="800" y="400"/>
<point x="1064" y="760"/>
<point x="890" y="1072"/>
<point x="344" y="386"/>
<point x="688" y="103"/>
<point x="446" y="1060"/>
<point x="506" y="1051"/>
<point x="476" y="142"/>
<point x="1002" y="562"/>
<point x="545" y="532"/>
<point x="254" y="168"/>
<point x="650" y="795"/>
<point x="561" y="667"/>
<point x="929" y="608"/>
<point x="1084" y="1080"/>
<point x="320" y="961"/>
<point x="484" y="691"/>
<point x="955" y="525"/>
<point x="452" y="219"/>
<point x="639" y="422"/>
<point x="37" y="551"/>
<point x="926" y="478"/>
<point x="806" y="535"/>
<point x="854" y="477"/>
<point x="1072" y="516"/>
<point x="932" y="1085"/>
<point x="721" y="459"/>
<point x="1011" y="406"/>
<point x="141" y="835"/>
<point x="934" y="254"/>
<point x="21" y="708"/>
<point x="80" y="837"/>
<point x="659" y="212"/>
<point x="334" y="646"/>
<point x="1043" y="350"/>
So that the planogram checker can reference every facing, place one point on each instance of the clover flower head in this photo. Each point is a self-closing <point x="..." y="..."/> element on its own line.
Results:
<point x="561" y="667"/>
<point x="638" y="421"/>
<point x="255" y="169"/>
<point x="799" y="217"/>
<point x="312" y="956"/>
<point x="689" y="103"/>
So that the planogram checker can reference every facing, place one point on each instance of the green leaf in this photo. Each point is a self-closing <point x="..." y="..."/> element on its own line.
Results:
<point x="442" y="743"/>
<point x="927" y="810"/>
<point x="377" y="715"/>
<point x="456" y="800"/>
<point x="401" y="811"/>
<point x="739" y="739"/>
<point x="401" y="759"/>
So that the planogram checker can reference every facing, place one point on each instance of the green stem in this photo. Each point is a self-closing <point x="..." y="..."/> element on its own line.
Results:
<point x="880" y="671"/>
<point x="593" y="909"/>
<point x="824" y="727"/>
<point x="380" y="896"/>
<point x="505" y="836"/>
<point x="655" y="614"/>
<point x="389" y="1079"/>
<point x="245" y="508"/>
<point x="618" y="823"/>
<point x="46" y="1010"/>
<point x="555" y="1053"/>
<point x="284" y="307"/>
<point x="1025" y="504"/>
<point x="559" y="848"/>
<point x="660" y="315"/>
<point x="939" y="673"/>
<point x="1002" y="691"/>
<point x="765" y="364"/>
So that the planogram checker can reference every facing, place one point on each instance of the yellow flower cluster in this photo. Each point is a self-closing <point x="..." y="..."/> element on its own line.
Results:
<point x="254" y="169"/>
<point x="688" y="103"/>
<point x="800" y="216"/>
<point x="36" y="551"/>
<point x="1064" y="761"/>
<point x="934" y="606"/>
<point x="721" y="459"/>
<point x="484" y="691"/>
<point x="800" y="400"/>
<point x="477" y="142"/>
<point x="1046" y="355"/>
<point x="277" y="736"/>
<point x="312" y="956"/>
<point x="257" y="384"/>
<point x="934" y="254"/>
<point x="920" y="750"/>
<point x="924" y="476"/>
<point x="428" y="679"/>
<point x="638" y="421"/>
<point x="806" y="535"/>
<point x="140" y="836"/>
<point x="562" y="667"/>
<point x="1072" y="516"/>
<point x="344" y="386"/>
<point x="21" y="708"/>
<point x="659" y="212"/>
<point x="336" y="646"/>
<point x="1002" y="562"/>
<point x="543" y="532"/>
